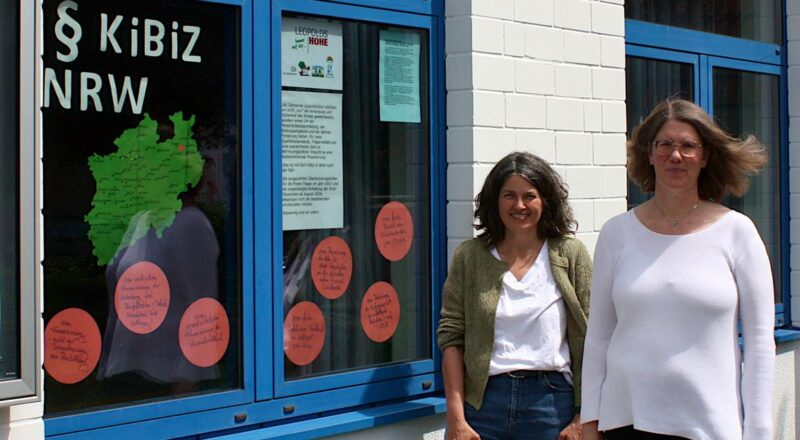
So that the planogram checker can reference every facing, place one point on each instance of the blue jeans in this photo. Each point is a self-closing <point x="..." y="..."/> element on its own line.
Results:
<point x="535" y="406"/>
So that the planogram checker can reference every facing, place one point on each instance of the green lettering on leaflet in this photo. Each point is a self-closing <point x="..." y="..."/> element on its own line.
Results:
<point x="139" y="184"/>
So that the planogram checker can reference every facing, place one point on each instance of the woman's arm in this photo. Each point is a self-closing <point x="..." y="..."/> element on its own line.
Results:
<point x="453" y="372"/>
<point x="590" y="432"/>
<point x="757" y="313"/>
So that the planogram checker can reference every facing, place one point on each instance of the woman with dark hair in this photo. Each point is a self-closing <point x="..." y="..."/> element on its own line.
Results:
<point x="671" y="279"/>
<point x="513" y="316"/>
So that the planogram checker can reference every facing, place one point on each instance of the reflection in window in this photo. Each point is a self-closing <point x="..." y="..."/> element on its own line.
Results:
<point x="9" y="189"/>
<point x="649" y="82"/>
<point x="750" y="19"/>
<point x="356" y="198"/>
<point x="749" y="103"/>
<point x="142" y="273"/>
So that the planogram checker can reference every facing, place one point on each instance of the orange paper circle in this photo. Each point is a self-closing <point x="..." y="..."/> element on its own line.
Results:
<point x="204" y="332"/>
<point x="71" y="345"/>
<point x="380" y="311"/>
<point x="142" y="297"/>
<point x="303" y="333"/>
<point x="332" y="267"/>
<point x="394" y="231"/>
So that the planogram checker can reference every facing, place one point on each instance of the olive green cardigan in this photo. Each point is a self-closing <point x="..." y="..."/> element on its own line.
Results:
<point x="470" y="298"/>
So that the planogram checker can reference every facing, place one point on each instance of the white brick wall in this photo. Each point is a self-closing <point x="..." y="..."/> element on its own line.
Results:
<point x="793" y="37"/>
<point x="545" y="76"/>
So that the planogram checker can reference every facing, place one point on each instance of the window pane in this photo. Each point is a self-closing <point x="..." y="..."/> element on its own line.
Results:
<point x="649" y="82"/>
<point x="750" y="19"/>
<point x="355" y="196"/>
<point x="749" y="103"/>
<point x="142" y="272"/>
<point x="9" y="190"/>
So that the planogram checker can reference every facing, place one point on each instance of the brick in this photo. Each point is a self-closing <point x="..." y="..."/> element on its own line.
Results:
<point x="793" y="28"/>
<point x="605" y="209"/>
<point x="459" y="218"/>
<point x="794" y="130"/>
<point x="794" y="154"/>
<point x="503" y="9"/>
<point x="592" y="116"/>
<point x="794" y="262"/>
<point x="456" y="8"/>
<point x="534" y="77"/>
<point x="491" y="144"/>
<point x="584" y="182"/>
<point x="525" y="111"/>
<point x="534" y="11"/>
<point x="582" y="48"/>
<point x="794" y="231"/>
<point x="589" y="239"/>
<point x="564" y="114"/>
<point x="459" y="72"/>
<point x="514" y="39"/>
<point x="458" y="35"/>
<point x="460" y="145"/>
<point x="540" y="143"/>
<point x="608" y="83"/>
<point x="544" y="43"/>
<point x="459" y="108"/>
<point x="794" y="93"/>
<point x="583" y="211"/>
<point x="608" y="19"/>
<point x="609" y="149"/>
<point x="573" y="148"/>
<point x="573" y="81"/>
<point x="492" y="72"/>
<point x="793" y="53"/>
<point x="572" y="14"/>
<point x="794" y="209"/>
<point x="615" y="182"/>
<point x="487" y="35"/>
<point x="612" y="51"/>
<point x="794" y="180"/>
<point x="614" y="117"/>
<point x="464" y="181"/>
<point x="489" y="109"/>
<point x="793" y="8"/>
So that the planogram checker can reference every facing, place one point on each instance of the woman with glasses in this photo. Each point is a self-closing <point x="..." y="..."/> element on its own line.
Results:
<point x="513" y="315"/>
<point x="672" y="278"/>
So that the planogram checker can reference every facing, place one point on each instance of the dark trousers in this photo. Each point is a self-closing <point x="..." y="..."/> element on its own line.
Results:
<point x="628" y="433"/>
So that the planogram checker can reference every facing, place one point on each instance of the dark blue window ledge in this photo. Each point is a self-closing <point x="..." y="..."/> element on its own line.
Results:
<point x="345" y="422"/>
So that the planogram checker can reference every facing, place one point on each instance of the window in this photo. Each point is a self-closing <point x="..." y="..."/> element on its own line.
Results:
<point x="739" y="81"/>
<point x="238" y="236"/>
<point x="19" y="373"/>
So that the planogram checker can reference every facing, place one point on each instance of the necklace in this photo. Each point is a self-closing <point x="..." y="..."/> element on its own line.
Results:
<point x="674" y="221"/>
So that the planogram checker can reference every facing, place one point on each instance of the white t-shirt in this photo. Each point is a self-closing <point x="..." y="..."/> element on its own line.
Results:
<point x="662" y="348"/>
<point x="530" y="322"/>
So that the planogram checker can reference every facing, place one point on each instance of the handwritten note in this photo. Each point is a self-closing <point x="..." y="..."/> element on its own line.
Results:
<point x="332" y="267"/>
<point x="204" y="332"/>
<point x="303" y="333"/>
<point x="71" y="345"/>
<point x="394" y="231"/>
<point x="380" y="311"/>
<point x="142" y="297"/>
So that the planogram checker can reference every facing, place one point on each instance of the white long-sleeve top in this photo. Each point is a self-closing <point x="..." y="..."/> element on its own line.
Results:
<point x="662" y="349"/>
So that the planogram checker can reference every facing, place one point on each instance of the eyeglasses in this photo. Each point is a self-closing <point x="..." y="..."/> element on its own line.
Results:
<point x="665" y="147"/>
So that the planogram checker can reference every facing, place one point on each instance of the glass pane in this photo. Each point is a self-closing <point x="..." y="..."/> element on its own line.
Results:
<point x="749" y="103"/>
<point x="751" y="19"/>
<point x="142" y="209"/>
<point x="355" y="195"/>
<point x="9" y="190"/>
<point x="649" y="82"/>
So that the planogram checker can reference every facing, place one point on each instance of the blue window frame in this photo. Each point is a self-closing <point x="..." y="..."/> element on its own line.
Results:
<point x="709" y="56"/>
<point x="267" y="400"/>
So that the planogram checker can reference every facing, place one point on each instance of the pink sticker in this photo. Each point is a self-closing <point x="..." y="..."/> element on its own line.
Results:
<point x="332" y="267"/>
<point x="394" y="231"/>
<point x="142" y="297"/>
<point x="303" y="333"/>
<point x="204" y="332"/>
<point x="380" y="311"/>
<point x="71" y="345"/>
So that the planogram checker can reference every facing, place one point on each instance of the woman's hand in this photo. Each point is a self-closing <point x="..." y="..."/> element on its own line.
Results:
<point x="590" y="431"/>
<point x="572" y="431"/>
<point x="460" y="430"/>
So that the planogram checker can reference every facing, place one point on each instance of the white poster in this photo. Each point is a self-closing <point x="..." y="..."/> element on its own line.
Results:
<point x="398" y="76"/>
<point x="311" y="54"/>
<point x="312" y="160"/>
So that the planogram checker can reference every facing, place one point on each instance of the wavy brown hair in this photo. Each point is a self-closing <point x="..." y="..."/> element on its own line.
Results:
<point x="730" y="162"/>
<point x="557" y="219"/>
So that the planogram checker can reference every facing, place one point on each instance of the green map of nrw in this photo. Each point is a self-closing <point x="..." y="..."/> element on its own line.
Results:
<point x="138" y="186"/>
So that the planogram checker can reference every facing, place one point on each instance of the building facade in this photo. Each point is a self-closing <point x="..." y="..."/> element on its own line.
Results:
<point x="233" y="217"/>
